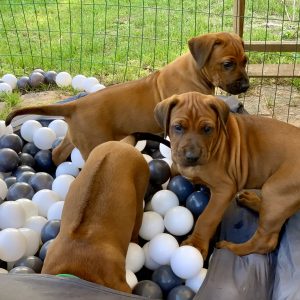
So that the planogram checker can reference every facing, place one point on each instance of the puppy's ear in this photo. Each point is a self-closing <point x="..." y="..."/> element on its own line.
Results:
<point x="201" y="47"/>
<point x="222" y="110"/>
<point x="162" y="112"/>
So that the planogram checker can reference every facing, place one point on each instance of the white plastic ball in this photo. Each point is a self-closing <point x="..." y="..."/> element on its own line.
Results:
<point x="3" y="271"/>
<point x="35" y="223"/>
<point x="77" y="159"/>
<point x="149" y="262"/>
<point x="140" y="145"/>
<point x="135" y="258"/>
<point x="61" y="185"/>
<point x="195" y="282"/>
<point x="28" y="129"/>
<point x="131" y="279"/>
<point x="32" y="241"/>
<point x="60" y="127"/>
<point x="152" y="224"/>
<point x="186" y="262"/>
<point x="161" y="248"/>
<point x="12" y="215"/>
<point x="89" y="82"/>
<point x="3" y="189"/>
<point x="5" y="88"/>
<point x="55" y="211"/>
<point x="163" y="200"/>
<point x="165" y="150"/>
<point x="63" y="79"/>
<point x="9" y="129"/>
<point x="179" y="220"/>
<point x="44" y="199"/>
<point x="66" y="167"/>
<point x="11" y="80"/>
<point x="2" y="127"/>
<point x="12" y="244"/>
<point x="43" y="138"/>
<point x="29" y="207"/>
<point x="77" y="82"/>
<point x="95" y="88"/>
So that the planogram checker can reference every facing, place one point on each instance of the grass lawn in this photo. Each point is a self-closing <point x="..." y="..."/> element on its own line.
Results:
<point x="123" y="40"/>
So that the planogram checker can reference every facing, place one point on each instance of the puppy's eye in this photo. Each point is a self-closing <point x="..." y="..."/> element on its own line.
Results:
<point x="178" y="128"/>
<point x="228" y="65"/>
<point x="207" y="129"/>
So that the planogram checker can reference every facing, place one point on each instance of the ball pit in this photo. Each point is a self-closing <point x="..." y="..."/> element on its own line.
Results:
<point x="40" y="202"/>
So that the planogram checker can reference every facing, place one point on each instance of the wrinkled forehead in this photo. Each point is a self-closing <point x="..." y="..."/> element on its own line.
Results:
<point x="194" y="109"/>
<point x="230" y="48"/>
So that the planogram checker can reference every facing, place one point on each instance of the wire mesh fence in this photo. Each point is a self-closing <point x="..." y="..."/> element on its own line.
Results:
<point x="120" y="40"/>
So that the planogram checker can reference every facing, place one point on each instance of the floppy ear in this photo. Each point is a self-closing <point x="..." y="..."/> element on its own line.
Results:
<point x="162" y="112"/>
<point x="202" y="46"/>
<point x="222" y="111"/>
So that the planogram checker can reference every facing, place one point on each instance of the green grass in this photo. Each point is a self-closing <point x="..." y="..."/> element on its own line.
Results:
<point x="9" y="101"/>
<point x="120" y="40"/>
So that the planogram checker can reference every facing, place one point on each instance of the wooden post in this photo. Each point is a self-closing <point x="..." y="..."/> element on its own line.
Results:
<point x="238" y="17"/>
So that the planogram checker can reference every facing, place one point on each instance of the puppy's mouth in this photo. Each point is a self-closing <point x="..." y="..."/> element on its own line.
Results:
<point x="237" y="87"/>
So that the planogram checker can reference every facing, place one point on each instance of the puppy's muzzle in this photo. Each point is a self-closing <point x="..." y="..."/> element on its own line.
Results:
<point x="239" y="86"/>
<point x="191" y="157"/>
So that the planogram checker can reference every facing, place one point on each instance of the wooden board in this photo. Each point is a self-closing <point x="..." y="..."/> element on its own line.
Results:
<point x="273" y="70"/>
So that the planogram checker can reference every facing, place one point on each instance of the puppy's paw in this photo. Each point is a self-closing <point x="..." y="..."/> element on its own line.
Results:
<point x="202" y="246"/>
<point x="238" y="249"/>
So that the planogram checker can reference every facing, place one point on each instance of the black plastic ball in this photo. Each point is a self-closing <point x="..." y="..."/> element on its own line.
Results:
<point x="19" y="190"/>
<point x="30" y="148"/>
<point x="157" y="155"/>
<point x="21" y="169"/>
<point x="12" y="141"/>
<point x="181" y="187"/>
<point x="197" y="201"/>
<point x="40" y="181"/>
<point x="166" y="279"/>
<point x="50" y="77"/>
<point x="148" y="289"/>
<point x="32" y="262"/>
<point x="26" y="159"/>
<point x="25" y="176"/>
<point x="160" y="171"/>
<point x="9" y="160"/>
<point x="36" y="79"/>
<point x="23" y="83"/>
<point x="39" y="70"/>
<point x="21" y="270"/>
<point x="50" y="230"/>
<point x="10" y="181"/>
<point x="44" y="249"/>
<point x="181" y="292"/>
<point x="43" y="161"/>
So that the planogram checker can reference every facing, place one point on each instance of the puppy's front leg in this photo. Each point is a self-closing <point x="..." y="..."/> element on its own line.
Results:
<point x="208" y="221"/>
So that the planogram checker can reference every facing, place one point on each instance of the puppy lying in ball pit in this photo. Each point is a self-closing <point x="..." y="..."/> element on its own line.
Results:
<point x="228" y="153"/>
<point x="102" y="214"/>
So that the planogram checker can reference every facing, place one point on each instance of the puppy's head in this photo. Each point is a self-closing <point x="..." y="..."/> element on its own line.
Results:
<point x="221" y="56"/>
<point x="194" y="122"/>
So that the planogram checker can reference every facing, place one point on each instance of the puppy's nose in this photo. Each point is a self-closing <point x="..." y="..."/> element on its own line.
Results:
<point x="244" y="85"/>
<point x="191" y="157"/>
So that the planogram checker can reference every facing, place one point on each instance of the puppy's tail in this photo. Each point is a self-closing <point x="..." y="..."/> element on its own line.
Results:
<point x="64" y="110"/>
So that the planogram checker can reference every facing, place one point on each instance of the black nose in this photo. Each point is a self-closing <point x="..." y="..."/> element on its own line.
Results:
<point x="191" y="157"/>
<point x="244" y="86"/>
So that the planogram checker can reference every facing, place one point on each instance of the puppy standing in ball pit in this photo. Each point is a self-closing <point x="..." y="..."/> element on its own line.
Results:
<point x="214" y="60"/>
<point x="102" y="213"/>
<point x="231" y="152"/>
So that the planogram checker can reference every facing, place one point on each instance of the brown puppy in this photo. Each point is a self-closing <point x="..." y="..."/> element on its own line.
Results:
<point x="231" y="152"/>
<point x="102" y="214"/>
<point x="214" y="60"/>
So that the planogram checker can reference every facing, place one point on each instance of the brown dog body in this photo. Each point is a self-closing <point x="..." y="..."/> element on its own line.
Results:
<point x="214" y="60"/>
<point x="102" y="214"/>
<point x="228" y="153"/>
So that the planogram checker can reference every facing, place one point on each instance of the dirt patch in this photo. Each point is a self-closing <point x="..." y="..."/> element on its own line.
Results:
<point x="44" y="97"/>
